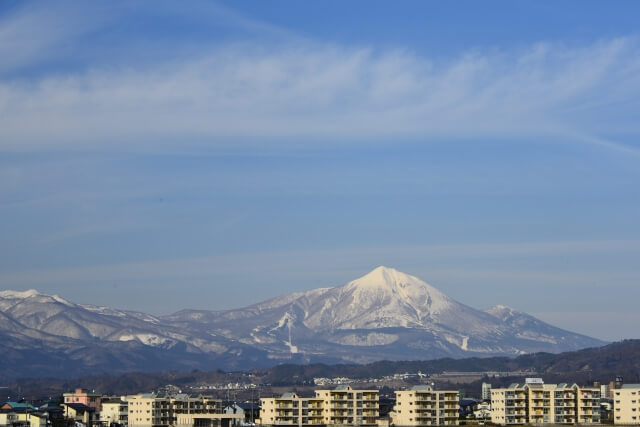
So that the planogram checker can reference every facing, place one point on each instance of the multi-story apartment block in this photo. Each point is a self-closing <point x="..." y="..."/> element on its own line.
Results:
<point x="346" y="406"/>
<point x="588" y="404"/>
<point x="486" y="391"/>
<point x="424" y="406"/>
<point x="626" y="404"/>
<point x="291" y="410"/>
<point x="342" y="406"/>
<point x="114" y="411"/>
<point x="545" y="404"/>
<point x="181" y="410"/>
<point x="509" y="405"/>
<point x="149" y="409"/>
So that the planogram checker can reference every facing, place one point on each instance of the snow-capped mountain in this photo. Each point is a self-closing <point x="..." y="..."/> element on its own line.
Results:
<point x="48" y="335"/>
<point x="385" y="314"/>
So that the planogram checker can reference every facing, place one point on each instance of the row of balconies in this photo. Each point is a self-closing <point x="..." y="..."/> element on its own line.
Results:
<point x="515" y="405"/>
<point x="364" y="399"/>
<point x="425" y="406"/>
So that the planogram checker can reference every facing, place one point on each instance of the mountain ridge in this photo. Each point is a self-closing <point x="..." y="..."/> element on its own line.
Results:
<point x="384" y="314"/>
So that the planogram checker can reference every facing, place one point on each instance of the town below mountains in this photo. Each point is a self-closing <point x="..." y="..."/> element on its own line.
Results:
<point x="383" y="315"/>
<point x="407" y="399"/>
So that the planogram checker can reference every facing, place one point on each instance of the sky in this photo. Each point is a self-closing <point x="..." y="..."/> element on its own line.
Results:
<point x="161" y="155"/>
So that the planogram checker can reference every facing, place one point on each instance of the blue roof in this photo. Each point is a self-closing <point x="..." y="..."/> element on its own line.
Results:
<point x="80" y="407"/>
<point x="18" y="405"/>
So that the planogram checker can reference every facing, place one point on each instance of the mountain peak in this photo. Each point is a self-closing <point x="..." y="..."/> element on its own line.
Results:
<point x="384" y="297"/>
<point x="31" y="293"/>
<point x="384" y="276"/>
<point x="19" y="294"/>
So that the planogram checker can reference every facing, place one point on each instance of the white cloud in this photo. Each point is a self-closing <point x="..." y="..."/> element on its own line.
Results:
<point x="306" y="93"/>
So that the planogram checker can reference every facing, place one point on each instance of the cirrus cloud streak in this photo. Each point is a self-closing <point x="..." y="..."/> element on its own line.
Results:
<point x="307" y="94"/>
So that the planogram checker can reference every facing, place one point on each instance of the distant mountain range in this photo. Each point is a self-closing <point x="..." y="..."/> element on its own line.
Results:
<point x="384" y="315"/>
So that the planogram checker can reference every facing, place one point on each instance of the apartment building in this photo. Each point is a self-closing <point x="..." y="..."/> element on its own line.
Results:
<point x="291" y="410"/>
<point x="149" y="409"/>
<point x="509" y="405"/>
<point x="626" y="404"/>
<point x="545" y="404"/>
<point x="114" y="411"/>
<point x="424" y="406"/>
<point x="179" y="410"/>
<point x="588" y="404"/>
<point x="347" y="406"/>
<point x="486" y="391"/>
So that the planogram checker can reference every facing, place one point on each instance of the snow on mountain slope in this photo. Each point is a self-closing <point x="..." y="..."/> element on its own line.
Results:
<point x="55" y="316"/>
<point x="382" y="298"/>
<point x="385" y="314"/>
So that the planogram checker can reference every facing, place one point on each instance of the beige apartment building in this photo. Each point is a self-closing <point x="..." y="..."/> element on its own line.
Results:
<point x="341" y="406"/>
<point x="424" y="406"/>
<point x="626" y="404"/>
<point x="179" y="410"/>
<point x="545" y="404"/>
<point x="114" y="410"/>
<point x="291" y="410"/>
<point x="347" y="406"/>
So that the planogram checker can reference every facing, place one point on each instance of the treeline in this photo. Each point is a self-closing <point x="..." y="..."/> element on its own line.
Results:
<point x="584" y="366"/>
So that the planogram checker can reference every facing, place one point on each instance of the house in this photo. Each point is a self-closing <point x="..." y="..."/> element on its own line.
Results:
<point x="80" y="413"/>
<point x="20" y="417"/>
<point x="85" y="397"/>
<point x="250" y="411"/>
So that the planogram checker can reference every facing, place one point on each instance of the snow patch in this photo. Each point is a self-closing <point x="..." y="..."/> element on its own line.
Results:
<point x="146" y="339"/>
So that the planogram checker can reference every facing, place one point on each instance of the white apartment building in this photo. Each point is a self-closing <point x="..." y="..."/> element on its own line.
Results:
<point x="626" y="404"/>
<point x="424" y="406"/>
<point x="545" y="404"/>
<point x="486" y="391"/>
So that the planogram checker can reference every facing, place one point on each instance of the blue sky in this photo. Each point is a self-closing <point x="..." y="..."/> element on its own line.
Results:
<point x="156" y="157"/>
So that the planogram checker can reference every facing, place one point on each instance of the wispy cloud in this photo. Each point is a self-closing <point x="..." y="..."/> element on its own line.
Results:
<point x="346" y="263"/>
<point x="301" y="92"/>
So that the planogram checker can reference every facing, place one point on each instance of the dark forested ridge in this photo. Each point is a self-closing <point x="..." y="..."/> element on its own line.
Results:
<point x="583" y="367"/>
